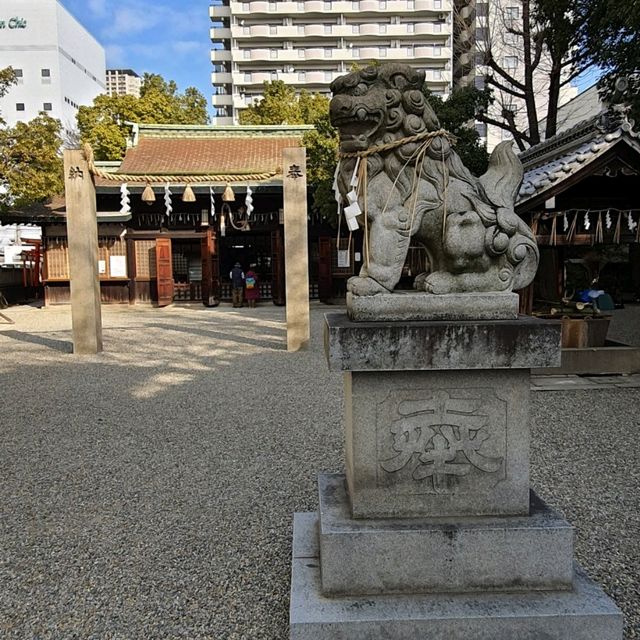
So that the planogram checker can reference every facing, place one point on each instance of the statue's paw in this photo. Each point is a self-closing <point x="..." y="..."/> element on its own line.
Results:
<point x="364" y="286"/>
<point x="440" y="283"/>
<point x="420" y="280"/>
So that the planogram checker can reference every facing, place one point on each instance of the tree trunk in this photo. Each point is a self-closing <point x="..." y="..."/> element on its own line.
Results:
<point x="554" y="97"/>
<point x="530" y="98"/>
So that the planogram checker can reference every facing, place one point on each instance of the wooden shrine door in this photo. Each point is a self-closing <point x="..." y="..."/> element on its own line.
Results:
<point x="210" y="269"/>
<point x="325" y="280"/>
<point x="278" y="290"/>
<point x="164" y="271"/>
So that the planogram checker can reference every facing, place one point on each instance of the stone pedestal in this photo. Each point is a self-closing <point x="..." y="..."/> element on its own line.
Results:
<point x="433" y="532"/>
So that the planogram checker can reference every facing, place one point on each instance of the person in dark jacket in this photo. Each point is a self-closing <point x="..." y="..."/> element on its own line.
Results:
<point x="236" y="275"/>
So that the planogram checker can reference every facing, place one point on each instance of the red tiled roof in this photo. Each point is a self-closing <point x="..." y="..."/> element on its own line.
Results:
<point x="184" y="156"/>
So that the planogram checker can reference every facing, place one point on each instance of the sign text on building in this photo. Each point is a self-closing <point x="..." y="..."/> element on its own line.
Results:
<point x="13" y="23"/>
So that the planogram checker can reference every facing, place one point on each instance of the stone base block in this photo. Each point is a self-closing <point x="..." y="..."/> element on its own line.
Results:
<point x="584" y="613"/>
<point x="426" y="444"/>
<point x="408" y="306"/>
<point x="524" y="343"/>
<point x="440" y="555"/>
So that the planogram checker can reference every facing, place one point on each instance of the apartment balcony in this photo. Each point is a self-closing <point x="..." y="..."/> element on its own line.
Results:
<point x="441" y="29"/>
<point x="223" y="77"/>
<point x="438" y="77"/>
<point x="219" y="33"/>
<point x="219" y="11"/>
<point x="222" y="100"/>
<point x="319" y="7"/>
<point x="270" y="56"/>
<point x="430" y="5"/>
<point x="369" y="53"/>
<point x="299" y="78"/>
<point x="248" y="8"/>
<point x="318" y="53"/>
<point x="222" y="121"/>
<point x="369" y="5"/>
<point x="370" y="29"/>
<point x="239" y="101"/>
<point x="314" y="30"/>
<point x="430" y="52"/>
<point x="220" y="55"/>
<point x="277" y="32"/>
<point x="257" y="30"/>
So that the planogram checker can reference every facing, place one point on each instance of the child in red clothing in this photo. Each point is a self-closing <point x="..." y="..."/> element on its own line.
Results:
<point x="251" y="290"/>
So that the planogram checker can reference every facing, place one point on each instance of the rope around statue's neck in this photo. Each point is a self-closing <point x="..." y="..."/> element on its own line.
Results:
<point x="425" y="135"/>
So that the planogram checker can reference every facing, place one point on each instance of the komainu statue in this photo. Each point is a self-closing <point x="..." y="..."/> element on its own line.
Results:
<point x="400" y="177"/>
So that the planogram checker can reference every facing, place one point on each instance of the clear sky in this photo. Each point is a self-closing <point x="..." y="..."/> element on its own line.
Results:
<point x="169" y="37"/>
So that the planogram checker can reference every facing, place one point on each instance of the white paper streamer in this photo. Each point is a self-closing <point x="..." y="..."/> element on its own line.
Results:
<point x="213" y="203"/>
<point x="248" y="202"/>
<point x="630" y="222"/>
<point x="167" y="200"/>
<point x="607" y="220"/>
<point x="354" y="177"/>
<point x="565" y="222"/>
<point x="125" y="203"/>
<point x="587" y="221"/>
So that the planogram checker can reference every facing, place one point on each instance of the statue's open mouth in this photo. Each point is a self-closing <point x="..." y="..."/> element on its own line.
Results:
<point x="357" y="129"/>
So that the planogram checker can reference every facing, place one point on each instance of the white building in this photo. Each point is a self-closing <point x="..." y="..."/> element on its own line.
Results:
<point x="59" y="64"/>
<point x="308" y="43"/>
<point x="123" y="82"/>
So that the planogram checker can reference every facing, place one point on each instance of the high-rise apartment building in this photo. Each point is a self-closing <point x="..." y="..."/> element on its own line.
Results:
<point x="59" y="64"/>
<point x="123" y="82"/>
<point x="308" y="43"/>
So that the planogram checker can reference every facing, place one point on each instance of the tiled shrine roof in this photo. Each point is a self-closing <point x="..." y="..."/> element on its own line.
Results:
<point x="551" y="162"/>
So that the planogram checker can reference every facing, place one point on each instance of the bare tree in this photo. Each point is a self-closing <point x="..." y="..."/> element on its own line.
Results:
<point x="527" y="50"/>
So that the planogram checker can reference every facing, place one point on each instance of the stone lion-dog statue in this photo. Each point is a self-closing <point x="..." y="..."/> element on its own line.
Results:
<point x="412" y="184"/>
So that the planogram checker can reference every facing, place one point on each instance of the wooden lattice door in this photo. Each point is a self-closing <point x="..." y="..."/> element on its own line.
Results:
<point x="164" y="271"/>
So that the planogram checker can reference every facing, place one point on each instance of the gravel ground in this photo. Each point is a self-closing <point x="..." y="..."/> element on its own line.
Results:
<point x="148" y="493"/>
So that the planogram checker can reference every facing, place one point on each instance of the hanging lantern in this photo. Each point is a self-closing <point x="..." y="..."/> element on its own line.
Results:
<point x="228" y="195"/>
<point x="147" y="195"/>
<point x="188" y="195"/>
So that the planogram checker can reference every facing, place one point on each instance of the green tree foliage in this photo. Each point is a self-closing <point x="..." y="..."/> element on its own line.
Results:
<point x="280" y="105"/>
<point x="7" y="79"/>
<point x="608" y="36"/>
<point x="456" y="115"/>
<point x="30" y="162"/>
<point x="322" y="156"/>
<point x="103" y="125"/>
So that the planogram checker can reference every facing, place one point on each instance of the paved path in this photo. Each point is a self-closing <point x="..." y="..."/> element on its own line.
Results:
<point x="570" y="382"/>
<point x="147" y="493"/>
